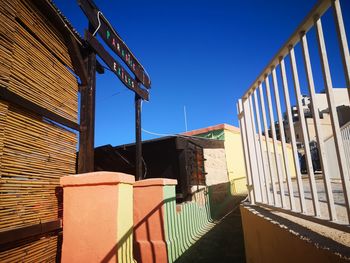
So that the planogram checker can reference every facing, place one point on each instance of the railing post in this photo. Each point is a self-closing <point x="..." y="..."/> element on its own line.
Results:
<point x="304" y="133"/>
<point x="250" y="146"/>
<point x="343" y="43"/>
<point x="315" y="114"/>
<point x="292" y="136"/>
<point x="262" y="148"/>
<point x="274" y="139"/>
<point x="267" y="141"/>
<point x="258" y="157"/>
<point x="241" y="119"/>
<point x="344" y="173"/>
<point x="283" y="140"/>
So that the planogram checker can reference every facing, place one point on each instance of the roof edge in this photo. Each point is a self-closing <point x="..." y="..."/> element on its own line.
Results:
<point x="223" y="126"/>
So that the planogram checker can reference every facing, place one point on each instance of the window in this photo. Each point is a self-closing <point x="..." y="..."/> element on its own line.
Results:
<point x="195" y="165"/>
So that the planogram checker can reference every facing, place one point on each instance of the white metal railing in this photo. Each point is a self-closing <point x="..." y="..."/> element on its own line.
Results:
<point x="345" y="134"/>
<point x="275" y="179"/>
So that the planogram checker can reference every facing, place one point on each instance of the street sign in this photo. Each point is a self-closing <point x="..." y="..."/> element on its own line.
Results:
<point x="114" y="66"/>
<point x="113" y="40"/>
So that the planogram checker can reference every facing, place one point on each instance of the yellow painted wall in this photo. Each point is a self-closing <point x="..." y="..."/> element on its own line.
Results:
<point x="267" y="241"/>
<point x="235" y="162"/>
<point x="290" y="159"/>
<point x="125" y="223"/>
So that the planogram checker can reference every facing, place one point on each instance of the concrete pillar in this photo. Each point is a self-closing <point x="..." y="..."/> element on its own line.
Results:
<point x="149" y="220"/>
<point x="97" y="217"/>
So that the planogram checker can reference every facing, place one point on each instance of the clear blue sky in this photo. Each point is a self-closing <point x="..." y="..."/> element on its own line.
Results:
<point x="200" y="54"/>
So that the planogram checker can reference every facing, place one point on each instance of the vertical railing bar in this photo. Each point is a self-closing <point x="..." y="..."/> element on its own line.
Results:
<point x="272" y="127"/>
<point x="251" y="150"/>
<point x="292" y="135"/>
<point x="259" y="162"/>
<point x="344" y="174"/>
<point x="314" y="109"/>
<point x="267" y="141"/>
<point x="283" y="140"/>
<point x="348" y="145"/>
<point x="304" y="134"/>
<point x="343" y="43"/>
<point x="257" y="112"/>
<point x="346" y="139"/>
<point x="245" y="150"/>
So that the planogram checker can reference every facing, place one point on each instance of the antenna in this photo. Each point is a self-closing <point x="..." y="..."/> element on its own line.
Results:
<point x="185" y="115"/>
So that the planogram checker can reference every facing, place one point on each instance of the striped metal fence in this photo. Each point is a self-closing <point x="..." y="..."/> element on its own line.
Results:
<point x="272" y="161"/>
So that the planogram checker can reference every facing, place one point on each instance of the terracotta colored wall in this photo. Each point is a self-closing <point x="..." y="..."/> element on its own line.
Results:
<point x="163" y="231"/>
<point x="97" y="217"/>
<point x="149" y="232"/>
<point x="267" y="241"/>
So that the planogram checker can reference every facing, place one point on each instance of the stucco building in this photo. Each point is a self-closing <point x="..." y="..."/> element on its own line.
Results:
<point x="342" y="103"/>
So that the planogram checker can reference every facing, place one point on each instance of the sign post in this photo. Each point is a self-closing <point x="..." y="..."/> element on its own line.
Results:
<point x="87" y="117"/>
<point x="138" y="150"/>
<point x="109" y="35"/>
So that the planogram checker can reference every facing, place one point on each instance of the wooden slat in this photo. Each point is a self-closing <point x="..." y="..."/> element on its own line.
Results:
<point x="34" y="155"/>
<point x="42" y="250"/>
<point x="28" y="105"/>
<point x="37" y="81"/>
<point x="18" y="234"/>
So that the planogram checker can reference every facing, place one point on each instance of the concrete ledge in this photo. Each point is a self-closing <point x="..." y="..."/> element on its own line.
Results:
<point x="96" y="178"/>
<point x="271" y="238"/>
<point x="155" y="182"/>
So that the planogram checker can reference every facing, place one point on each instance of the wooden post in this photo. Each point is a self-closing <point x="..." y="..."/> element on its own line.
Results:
<point x="87" y="117"/>
<point x="138" y="157"/>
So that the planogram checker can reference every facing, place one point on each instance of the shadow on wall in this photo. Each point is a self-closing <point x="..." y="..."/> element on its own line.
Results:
<point x="149" y="235"/>
<point x="181" y="225"/>
<point x="223" y="243"/>
<point x="124" y="243"/>
<point x="123" y="248"/>
<point x="221" y="200"/>
<point x="185" y="223"/>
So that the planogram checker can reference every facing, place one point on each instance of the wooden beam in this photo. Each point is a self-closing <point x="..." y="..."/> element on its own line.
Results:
<point x="77" y="60"/>
<point x="138" y="157"/>
<point x="117" y="69"/>
<point x="99" y="68"/>
<point x="15" y="235"/>
<point x="87" y="118"/>
<point x="113" y="40"/>
<point x="13" y="98"/>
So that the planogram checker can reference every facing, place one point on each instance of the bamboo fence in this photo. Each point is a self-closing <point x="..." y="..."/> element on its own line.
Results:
<point x="7" y="12"/>
<point x="34" y="153"/>
<point x="42" y="250"/>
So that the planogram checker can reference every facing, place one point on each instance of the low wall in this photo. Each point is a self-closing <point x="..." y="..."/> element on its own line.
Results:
<point x="267" y="239"/>
<point x="97" y="217"/>
<point x="108" y="217"/>
<point x="163" y="231"/>
<point x="185" y="223"/>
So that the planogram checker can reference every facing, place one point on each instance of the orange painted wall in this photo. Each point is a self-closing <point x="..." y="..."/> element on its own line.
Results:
<point x="149" y="232"/>
<point x="90" y="227"/>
